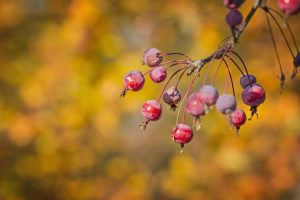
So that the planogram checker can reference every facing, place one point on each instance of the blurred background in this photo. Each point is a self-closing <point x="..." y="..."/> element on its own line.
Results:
<point x="65" y="134"/>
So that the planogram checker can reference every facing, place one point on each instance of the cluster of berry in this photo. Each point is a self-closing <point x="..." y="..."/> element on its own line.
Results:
<point x="199" y="103"/>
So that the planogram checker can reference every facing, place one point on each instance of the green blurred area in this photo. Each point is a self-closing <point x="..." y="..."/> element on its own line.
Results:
<point x="65" y="134"/>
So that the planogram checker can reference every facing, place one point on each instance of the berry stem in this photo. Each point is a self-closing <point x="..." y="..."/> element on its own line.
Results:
<point x="237" y="66"/>
<point x="175" y="53"/>
<point x="230" y="76"/>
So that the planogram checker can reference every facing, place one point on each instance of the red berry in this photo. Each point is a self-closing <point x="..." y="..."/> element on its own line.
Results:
<point x="254" y="95"/>
<point x="194" y="105"/>
<point x="151" y="110"/>
<point x="152" y="57"/>
<point x="182" y="134"/>
<point x="237" y="118"/>
<point x="233" y="4"/>
<point x="226" y="103"/>
<point x="234" y="18"/>
<point x="133" y="80"/>
<point x="289" y="7"/>
<point x="158" y="74"/>
<point x="208" y="95"/>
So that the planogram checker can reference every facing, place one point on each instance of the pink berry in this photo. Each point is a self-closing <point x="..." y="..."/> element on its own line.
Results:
<point x="226" y="103"/>
<point x="247" y="80"/>
<point x="234" y="18"/>
<point x="158" y="74"/>
<point x="133" y="80"/>
<point x="194" y="105"/>
<point x="171" y="97"/>
<point x="152" y="57"/>
<point x="151" y="110"/>
<point x="289" y="7"/>
<point x="182" y="134"/>
<point x="233" y="4"/>
<point x="237" y="118"/>
<point x="208" y="94"/>
<point x="254" y="95"/>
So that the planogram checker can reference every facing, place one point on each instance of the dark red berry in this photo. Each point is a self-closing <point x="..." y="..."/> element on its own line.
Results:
<point x="158" y="74"/>
<point x="234" y="18"/>
<point x="237" y="118"/>
<point x="247" y="80"/>
<point x="254" y="95"/>
<point x="152" y="57"/>
<point x="297" y="60"/>
<point x="182" y="134"/>
<point x="233" y="4"/>
<point x="226" y="103"/>
<point x="134" y="81"/>
<point x="151" y="110"/>
<point x="171" y="97"/>
<point x="208" y="94"/>
<point x="194" y="105"/>
<point x="289" y="7"/>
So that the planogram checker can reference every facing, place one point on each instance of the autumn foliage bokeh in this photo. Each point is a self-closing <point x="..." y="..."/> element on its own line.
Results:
<point x="66" y="134"/>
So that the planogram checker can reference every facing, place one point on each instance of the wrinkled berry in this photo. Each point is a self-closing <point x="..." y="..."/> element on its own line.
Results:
<point x="208" y="94"/>
<point x="194" y="105"/>
<point x="151" y="110"/>
<point x="237" y="118"/>
<point x="171" y="97"/>
<point x="234" y="18"/>
<point x="254" y="95"/>
<point x="226" y="103"/>
<point x="152" y="57"/>
<point x="247" y="80"/>
<point x="158" y="74"/>
<point x="182" y="134"/>
<point x="233" y="4"/>
<point x="289" y="7"/>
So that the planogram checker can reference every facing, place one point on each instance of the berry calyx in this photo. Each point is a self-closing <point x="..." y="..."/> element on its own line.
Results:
<point x="134" y="81"/>
<point x="151" y="111"/>
<point x="234" y="18"/>
<point x="182" y="134"/>
<point x="233" y="4"/>
<point x="152" y="57"/>
<point x="237" y="118"/>
<point x="226" y="103"/>
<point x="171" y="97"/>
<point x="208" y="95"/>
<point x="247" y="80"/>
<point x="158" y="74"/>
<point x="289" y="7"/>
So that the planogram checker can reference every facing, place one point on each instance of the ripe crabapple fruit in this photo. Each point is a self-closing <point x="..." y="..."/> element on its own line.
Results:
<point x="152" y="57"/>
<point x="195" y="107"/>
<point x="233" y="4"/>
<point x="134" y="81"/>
<point x="226" y="103"/>
<point x="254" y="95"/>
<point x="158" y="74"/>
<point x="171" y="97"/>
<point x="182" y="134"/>
<point x="237" y="118"/>
<point x="234" y="18"/>
<point x="208" y="95"/>
<point x="289" y="7"/>
<point x="151" y="111"/>
<point x="247" y="79"/>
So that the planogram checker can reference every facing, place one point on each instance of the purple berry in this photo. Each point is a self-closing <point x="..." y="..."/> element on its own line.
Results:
<point x="152" y="57"/>
<point x="171" y="97"/>
<point x="289" y="7"/>
<point x="237" y="118"/>
<point x="247" y="80"/>
<point x="254" y="95"/>
<point x="234" y="18"/>
<point x="133" y="80"/>
<point x="151" y="110"/>
<point x="297" y="60"/>
<point x="194" y="105"/>
<point x="208" y="94"/>
<point x="226" y="103"/>
<point x="182" y="134"/>
<point x="233" y="4"/>
<point x="158" y="74"/>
